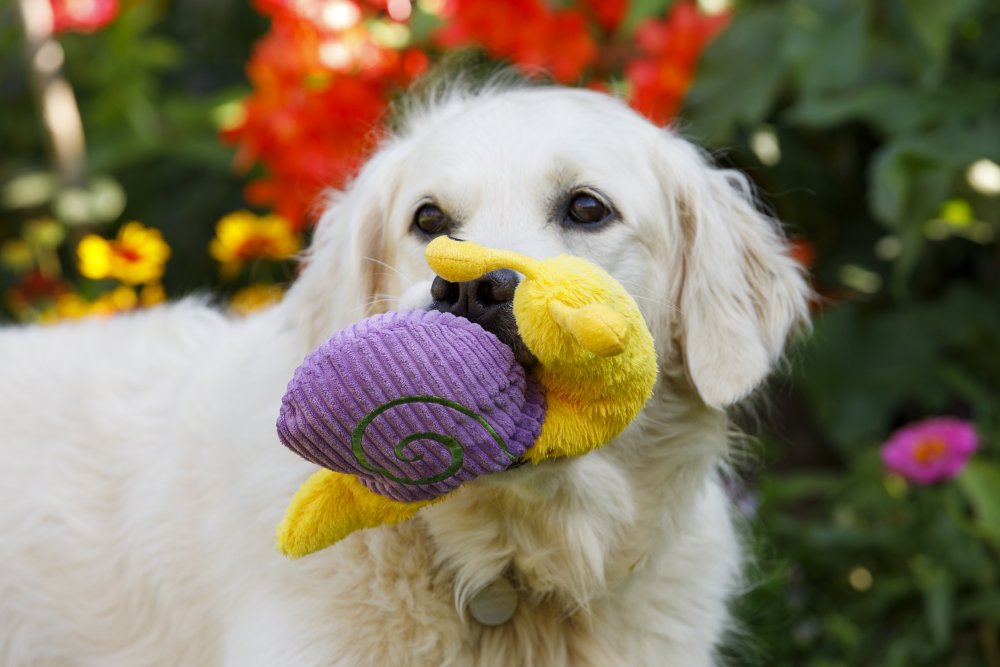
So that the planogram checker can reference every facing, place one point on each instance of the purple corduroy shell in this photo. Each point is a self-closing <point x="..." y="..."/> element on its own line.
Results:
<point x="403" y="383"/>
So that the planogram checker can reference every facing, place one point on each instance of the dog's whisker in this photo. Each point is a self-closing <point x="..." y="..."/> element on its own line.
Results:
<point x="392" y="269"/>
<point x="638" y="296"/>
<point x="364" y="308"/>
<point x="657" y="302"/>
<point x="378" y="301"/>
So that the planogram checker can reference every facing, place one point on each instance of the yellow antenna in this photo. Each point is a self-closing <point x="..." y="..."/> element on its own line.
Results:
<point x="461" y="261"/>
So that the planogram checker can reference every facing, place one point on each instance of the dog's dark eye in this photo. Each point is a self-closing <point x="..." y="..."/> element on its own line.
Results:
<point x="431" y="220"/>
<point x="586" y="209"/>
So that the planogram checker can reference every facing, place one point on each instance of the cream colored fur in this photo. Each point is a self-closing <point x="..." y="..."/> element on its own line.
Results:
<point x="141" y="479"/>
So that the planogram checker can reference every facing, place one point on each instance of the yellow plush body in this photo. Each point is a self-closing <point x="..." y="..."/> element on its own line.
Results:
<point x="597" y="365"/>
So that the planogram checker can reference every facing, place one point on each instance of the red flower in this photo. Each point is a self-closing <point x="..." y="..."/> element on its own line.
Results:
<point x="309" y="140"/>
<point x="318" y="101"/>
<point x="33" y="292"/>
<point x="803" y="252"/>
<point x="560" y="44"/>
<point x="36" y="286"/>
<point x="82" y="15"/>
<point x="607" y="13"/>
<point x="668" y="52"/>
<point x="497" y="26"/>
<point x="526" y="32"/>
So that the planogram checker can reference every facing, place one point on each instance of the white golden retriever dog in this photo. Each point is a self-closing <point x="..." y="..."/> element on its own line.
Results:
<point x="141" y="478"/>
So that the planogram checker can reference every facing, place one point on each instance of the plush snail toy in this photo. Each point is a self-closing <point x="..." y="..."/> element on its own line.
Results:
<point x="402" y="408"/>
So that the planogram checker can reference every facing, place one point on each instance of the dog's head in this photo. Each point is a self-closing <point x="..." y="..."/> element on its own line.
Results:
<point x="547" y="171"/>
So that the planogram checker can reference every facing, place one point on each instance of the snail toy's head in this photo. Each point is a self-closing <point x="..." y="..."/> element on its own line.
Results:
<point x="560" y="306"/>
<point x="597" y="361"/>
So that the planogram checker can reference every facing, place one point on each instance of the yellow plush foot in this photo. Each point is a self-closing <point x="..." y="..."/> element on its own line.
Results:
<point x="329" y="506"/>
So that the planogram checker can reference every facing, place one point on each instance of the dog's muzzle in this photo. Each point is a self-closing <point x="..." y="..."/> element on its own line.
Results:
<point x="489" y="302"/>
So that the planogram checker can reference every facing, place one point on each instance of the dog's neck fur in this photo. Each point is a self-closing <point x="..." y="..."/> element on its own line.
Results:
<point x="573" y="531"/>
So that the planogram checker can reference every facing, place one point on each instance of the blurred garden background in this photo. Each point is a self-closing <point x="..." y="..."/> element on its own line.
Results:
<point x="151" y="149"/>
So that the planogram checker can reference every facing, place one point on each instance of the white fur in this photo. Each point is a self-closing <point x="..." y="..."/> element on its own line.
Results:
<point x="141" y="479"/>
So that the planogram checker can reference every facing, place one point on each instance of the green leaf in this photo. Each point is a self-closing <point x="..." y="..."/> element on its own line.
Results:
<point x="159" y="53"/>
<point x="879" y="103"/>
<point x="861" y="366"/>
<point x="639" y="10"/>
<point x="937" y="587"/>
<point x="934" y="21"/>
<point x="422" y="25"/>
<point x="739" y="76"/>
<point x="908" y="179"/>
<point x="980" y="482"/>
<point x="827" y="43"/>
<point x="897" y="110"/>
<point x="793" y="487"/>
<point x="912" y="176"/>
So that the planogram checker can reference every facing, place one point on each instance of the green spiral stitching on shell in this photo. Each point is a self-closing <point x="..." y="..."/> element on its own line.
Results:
<point x="455" y="448"/>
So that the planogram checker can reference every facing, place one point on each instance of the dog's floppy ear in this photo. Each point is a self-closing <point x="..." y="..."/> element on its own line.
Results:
<point x="742" y="293"/>
<point x="344" y="268"/>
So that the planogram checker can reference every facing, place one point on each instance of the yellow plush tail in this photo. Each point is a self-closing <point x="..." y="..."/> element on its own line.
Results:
<point x="461" y="261"/>
<point x="329" y="506"/>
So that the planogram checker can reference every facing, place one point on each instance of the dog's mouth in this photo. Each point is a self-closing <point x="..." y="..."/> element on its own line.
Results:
<point x="503" y="325"/>
<point x="487" y="301"/>
<point x="518" y="463"/>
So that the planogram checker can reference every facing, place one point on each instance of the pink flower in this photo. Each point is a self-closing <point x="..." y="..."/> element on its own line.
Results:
<point x="82" y="15"/>
<point x="931" y="450"/>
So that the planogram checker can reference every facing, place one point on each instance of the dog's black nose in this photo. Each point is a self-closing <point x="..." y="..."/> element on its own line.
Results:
<point x="489" y="302"/>
<point x="482" y="300"/>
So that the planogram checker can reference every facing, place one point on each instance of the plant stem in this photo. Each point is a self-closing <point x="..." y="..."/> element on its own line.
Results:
<point x="990" y="644"/>
<point x="53" y="95"/>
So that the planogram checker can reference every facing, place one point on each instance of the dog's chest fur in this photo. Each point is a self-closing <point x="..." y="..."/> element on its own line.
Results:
<point x="393" y="602"/>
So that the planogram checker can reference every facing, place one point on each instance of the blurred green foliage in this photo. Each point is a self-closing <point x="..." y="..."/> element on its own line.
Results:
<point x="871" y="115"/>
<point x="150" y="87"/>
<point x="859" y="119"/>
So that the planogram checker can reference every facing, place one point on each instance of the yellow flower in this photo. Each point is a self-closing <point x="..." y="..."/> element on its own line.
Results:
<point x="72" y="306"/>
<point x="118" y="300"/>
<point x="255" y="297"/>
<point x="69" y="306"/>
<point x="243" y="236"/>
<point x="151" y="295"/>
<point x="17" y="255"/>
<point x="136" y="256"/>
